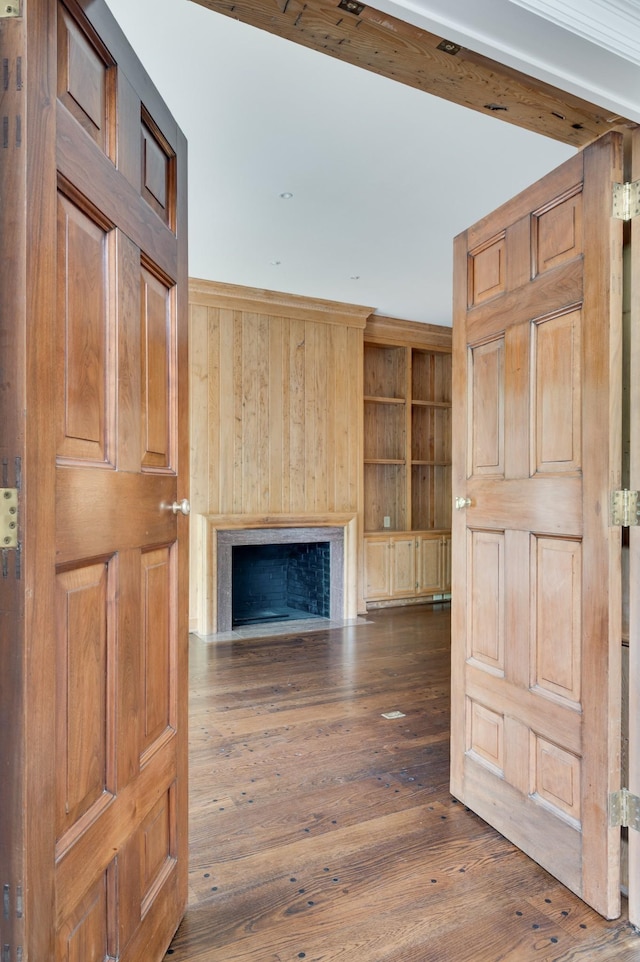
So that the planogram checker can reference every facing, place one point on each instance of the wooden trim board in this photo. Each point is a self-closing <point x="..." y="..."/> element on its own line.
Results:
<point x="399" y="50"/>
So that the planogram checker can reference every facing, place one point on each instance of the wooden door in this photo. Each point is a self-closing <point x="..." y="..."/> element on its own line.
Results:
<point x="536" y="579"/>
<point x="99" y="297"/>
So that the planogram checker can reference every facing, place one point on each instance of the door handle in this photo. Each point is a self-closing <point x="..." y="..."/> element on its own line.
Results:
<point x="183" y="507"/>
<point x="463" y="503"/>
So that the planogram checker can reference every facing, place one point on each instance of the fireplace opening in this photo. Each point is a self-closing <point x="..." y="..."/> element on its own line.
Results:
<point x="276" y="582"/>
<point x="275" y="575"/>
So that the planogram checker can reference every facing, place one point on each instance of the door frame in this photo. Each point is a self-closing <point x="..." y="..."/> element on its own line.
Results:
<point x="632" y="173"/>
<point x="18" y="617"/>
<point x="14" y="612"/>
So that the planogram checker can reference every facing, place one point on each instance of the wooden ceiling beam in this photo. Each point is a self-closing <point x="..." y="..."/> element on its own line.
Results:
<point x="365" y="37"/>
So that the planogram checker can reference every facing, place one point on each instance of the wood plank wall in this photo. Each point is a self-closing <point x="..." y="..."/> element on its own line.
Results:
<point x="276" y="406"/>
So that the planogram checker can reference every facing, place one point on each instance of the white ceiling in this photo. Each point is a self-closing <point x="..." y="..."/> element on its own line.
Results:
<point x="383" y="176"/>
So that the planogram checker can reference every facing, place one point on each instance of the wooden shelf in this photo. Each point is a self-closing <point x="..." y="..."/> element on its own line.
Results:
<point x="407" y="464"/>
<point x="385" y="400"/>
<point x="429" y="404"/>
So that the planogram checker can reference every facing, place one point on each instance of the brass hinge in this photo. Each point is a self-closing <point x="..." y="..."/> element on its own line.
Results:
<point x="11" y="910"/>
<point x="626" y="200"/>
<point x="6" y="953"/>
<point x="624" y="508"/>
<point x="8" y="517"/>
<point x="9" y="8"/>
<point x="624" y="810"/>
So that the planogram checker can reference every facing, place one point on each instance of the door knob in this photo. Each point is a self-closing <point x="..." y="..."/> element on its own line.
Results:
<point x="181" y="506"/>
<point x="463" y="503"/>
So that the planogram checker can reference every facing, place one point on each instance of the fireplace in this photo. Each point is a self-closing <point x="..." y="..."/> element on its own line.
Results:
<point x="269" y="575"/>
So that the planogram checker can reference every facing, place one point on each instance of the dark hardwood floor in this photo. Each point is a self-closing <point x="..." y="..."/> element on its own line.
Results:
<point x="321" y="830"/>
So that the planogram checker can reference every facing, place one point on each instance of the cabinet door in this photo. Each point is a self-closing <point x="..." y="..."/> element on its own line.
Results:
<point x="377" y="569"/>
<point x="403" y="567"/>
<point x="430" y="567"/>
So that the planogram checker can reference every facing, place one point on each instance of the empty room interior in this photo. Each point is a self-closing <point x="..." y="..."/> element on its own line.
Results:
<point x="327" y="570"/>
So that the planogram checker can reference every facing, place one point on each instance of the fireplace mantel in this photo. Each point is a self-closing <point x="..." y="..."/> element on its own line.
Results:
<point x="208" y="526"/>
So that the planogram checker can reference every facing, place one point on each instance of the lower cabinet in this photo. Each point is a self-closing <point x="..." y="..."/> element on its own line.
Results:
<point x="406" y="565"/>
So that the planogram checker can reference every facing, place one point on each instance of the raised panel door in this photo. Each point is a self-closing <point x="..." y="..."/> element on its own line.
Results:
<point x="403" y="566"/>
<point x="377" y="568"/>
<point x="105" y="562"/>
<point x="536" y="578"/>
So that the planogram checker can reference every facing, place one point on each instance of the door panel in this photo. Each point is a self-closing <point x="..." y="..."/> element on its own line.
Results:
<point x="556" y="402"/>
<point x="486" y="444"/>
<point x="85" y="780"/>
<point x="536" y="579"/>
<point x="85" y="81"/>
<point x="158" y="337"/>
<point x="85" y="935"/>
<point x="105" y="458"/>
<point x="157" y="577"/>
<point x="556" y="570"/>
<point x="486" y="599"/>
<point x="85" y="334"/>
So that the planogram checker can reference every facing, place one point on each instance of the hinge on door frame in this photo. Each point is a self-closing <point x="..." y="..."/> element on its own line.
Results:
<point x="626" y="200"/>
<point x="624" y="508"/>
<point x="8" y="518"/>
<point x="6" y="953"/>
<point x="9" y="912"/>
<point x="624" y="810"/>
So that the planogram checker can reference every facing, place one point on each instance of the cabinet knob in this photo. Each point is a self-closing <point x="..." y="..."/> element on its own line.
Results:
<point x="463" y="503"/>
<point x="182" y="507"/>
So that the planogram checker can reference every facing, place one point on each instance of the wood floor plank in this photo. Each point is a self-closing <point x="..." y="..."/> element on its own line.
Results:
<point x="322" y="831"/>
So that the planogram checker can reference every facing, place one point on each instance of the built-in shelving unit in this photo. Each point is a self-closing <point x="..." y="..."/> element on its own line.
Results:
<point x="385" y="436"/>
<point x="407" y="458"/>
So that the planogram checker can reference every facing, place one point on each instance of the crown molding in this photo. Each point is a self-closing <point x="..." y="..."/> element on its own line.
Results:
<point x="206" y="293"/>
<point x="612" y="24"/>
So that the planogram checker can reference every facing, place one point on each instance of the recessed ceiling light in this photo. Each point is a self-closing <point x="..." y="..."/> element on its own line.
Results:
<point x="276" y="263"/>
<point x="354" y="277"/>
<point x="287" y="195"/>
